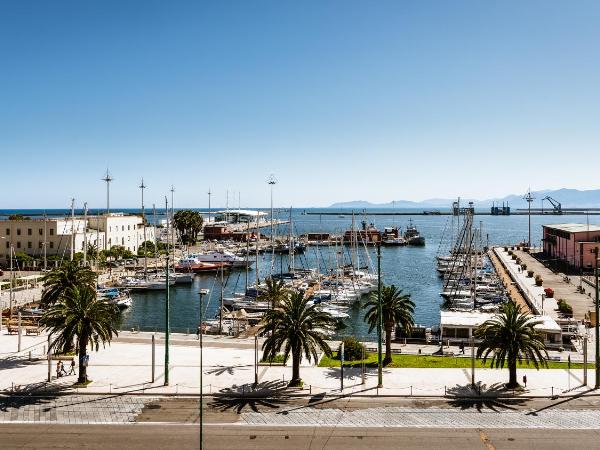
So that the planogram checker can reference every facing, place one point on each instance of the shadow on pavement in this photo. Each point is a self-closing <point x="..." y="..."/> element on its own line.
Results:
<point x="268" y="394"/>
<point x="483" y="397"/>
<point x="220" y="370"/>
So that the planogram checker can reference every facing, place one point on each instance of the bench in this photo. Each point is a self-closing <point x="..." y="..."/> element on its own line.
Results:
<point x="13" y="329"/>
<point x="32" y="330"/>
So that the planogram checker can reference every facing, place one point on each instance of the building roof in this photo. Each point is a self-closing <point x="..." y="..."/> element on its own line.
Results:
<point x="573" y="227"/>
<point x="242" y="212"/>
<point x="475" y="318"/>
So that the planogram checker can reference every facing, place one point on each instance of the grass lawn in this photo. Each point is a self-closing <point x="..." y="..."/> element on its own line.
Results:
<point x="439" y="362"/>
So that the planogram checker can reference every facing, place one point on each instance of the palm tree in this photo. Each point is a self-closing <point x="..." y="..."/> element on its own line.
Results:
<point x="396" y="310"/>
<point x="188" y="223"/>
<point x="509" y="337"/>
<point x="79" y="314"/>
<point x="296" y="327"/>
<point x="275" y="293"/>
<point x="67" y="276"/>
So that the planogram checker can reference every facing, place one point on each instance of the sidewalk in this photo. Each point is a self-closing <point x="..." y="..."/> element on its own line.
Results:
<point x="228" y="367"/>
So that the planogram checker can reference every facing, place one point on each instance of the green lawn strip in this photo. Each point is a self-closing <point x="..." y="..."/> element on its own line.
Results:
<point x="440" y="362"/>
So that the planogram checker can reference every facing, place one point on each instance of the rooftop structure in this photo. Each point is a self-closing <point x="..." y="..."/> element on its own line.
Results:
<point x="572" y="243"/>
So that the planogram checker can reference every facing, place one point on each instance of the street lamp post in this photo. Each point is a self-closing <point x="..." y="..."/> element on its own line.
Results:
<point x="596" y="325"/>
<point x="379" y="320"/>
<point x="167" y="301"/>
<point x="201" y="293"/>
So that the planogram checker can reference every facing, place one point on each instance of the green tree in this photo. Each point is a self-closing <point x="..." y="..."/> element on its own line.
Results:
<point x="23" y="259"/>
<point x="147" y="249"/>
<point x="296" y="326"/>
<point x="509" y="337"/>
<point x="92" y="252"/>
<point x="275" y="292"/>
<point x="68" y="276"/>
<point x="189" y="224"/>
<point x="18" y="217"/>
<point x="79" y="314"/>
<point x="397" y="309"/>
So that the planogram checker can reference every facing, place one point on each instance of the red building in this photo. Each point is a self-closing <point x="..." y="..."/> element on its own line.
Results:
<point x="572" y="243"/>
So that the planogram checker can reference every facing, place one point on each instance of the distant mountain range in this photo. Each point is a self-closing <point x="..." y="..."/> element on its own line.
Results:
<point x="569" y="198"/>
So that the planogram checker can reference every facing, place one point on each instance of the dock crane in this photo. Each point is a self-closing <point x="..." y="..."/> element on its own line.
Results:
<point x="555" y="204"/>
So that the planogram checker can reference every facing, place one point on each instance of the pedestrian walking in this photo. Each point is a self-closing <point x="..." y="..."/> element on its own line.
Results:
<point x="72" y="371"/>
<point x="525" y="380"/>
<point x="198" y="333"/>
<point x="58" y="369"/>
<point x="462" y="347"/>
<point x="63" y="372"/>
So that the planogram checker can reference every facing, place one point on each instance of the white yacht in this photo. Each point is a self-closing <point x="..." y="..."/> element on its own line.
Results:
<point x="222" y="257"/>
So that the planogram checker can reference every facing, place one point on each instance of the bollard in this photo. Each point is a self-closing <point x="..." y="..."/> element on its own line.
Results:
<point x="444" y="391"/>
<point x="411" y="391"/>
<point x="29" y="355"/>
<point x="244" y="389"/>
<point x="377" y="390"/>
<point x="552" y="391"/>
<point x="310" y="389"/>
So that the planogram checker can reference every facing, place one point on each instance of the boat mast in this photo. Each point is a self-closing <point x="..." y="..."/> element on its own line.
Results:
<point x="173" y="221"/>
<point x="291" y="243"/>
<point x="142" y="187"/>
<point x="257" y="245"/>
<point x="272" y="181"/>
<point x="156" y="252"/>
<point x="247" y="251"/>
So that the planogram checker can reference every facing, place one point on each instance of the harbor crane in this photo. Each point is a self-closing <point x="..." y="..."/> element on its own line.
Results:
<point x="555" y="204"/>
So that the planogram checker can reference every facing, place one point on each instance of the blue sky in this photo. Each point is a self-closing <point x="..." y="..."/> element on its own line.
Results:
<point x="341" y="100"/>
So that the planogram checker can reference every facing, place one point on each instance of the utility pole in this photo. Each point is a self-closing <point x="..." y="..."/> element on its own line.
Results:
<point x="173" y="220"/>
<point x="529" y="198"/>
<point x="202" y="293"/>
<point x="45" y="242"/>
<point x="221" y="305"/>
<point x="379" y="320"/>
<point x="167" y="301"/>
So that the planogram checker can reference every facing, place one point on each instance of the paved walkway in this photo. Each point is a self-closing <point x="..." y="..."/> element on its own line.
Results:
<point x="581" y="303"/>
<point x="228" y="367"/>
<point x="505" y="275"/>
<point x="427" y="418"/>
<point x="74" y="409"/>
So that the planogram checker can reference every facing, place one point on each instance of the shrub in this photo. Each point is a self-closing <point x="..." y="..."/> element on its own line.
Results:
<point x="518" y="260"/>
<point x="353" y="349"/>
<point x="549" y="292"/>
<point x="564" y="307"/>
<point x="510" y="252"/>
<point x="524" y="266"/>
<point x="505" y="249"/>
<point x="538" y="280"/>
<point x="530" y="273"/>
<point x="513" y="256"/>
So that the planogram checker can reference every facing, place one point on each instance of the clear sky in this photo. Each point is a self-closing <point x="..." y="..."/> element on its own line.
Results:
<point x="341" y="100"/>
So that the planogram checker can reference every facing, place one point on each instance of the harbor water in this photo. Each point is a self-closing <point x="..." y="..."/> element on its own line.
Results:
<point x="412" y="269"/>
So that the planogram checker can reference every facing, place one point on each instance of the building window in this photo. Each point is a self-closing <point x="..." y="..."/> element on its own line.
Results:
<point x="39" y="245"/>
<point x="51" y="232"/>
<point x="128" y="227"/>
<point x="7" y="244"/>
<point x="19" y="244"/>
<point x="122" y="241"/>
<point x="122" y="227"/>
<point x="8" y="231"/>
<point x="29" y="244"/>
<point x="41" y="231"/>
<point x="51" y="244"/>
<point x="29" y="231"/>
<point x="18" y="232"/>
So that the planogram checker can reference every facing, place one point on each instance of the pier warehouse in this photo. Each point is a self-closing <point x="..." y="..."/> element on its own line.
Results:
<point x="571" y="243"/>
<point x="105" y="231"/>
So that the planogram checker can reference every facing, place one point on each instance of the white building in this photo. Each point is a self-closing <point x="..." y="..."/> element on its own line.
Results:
<point x="60" y="234"/>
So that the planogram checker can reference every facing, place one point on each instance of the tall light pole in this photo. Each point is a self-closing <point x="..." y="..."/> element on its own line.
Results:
<point x="142" y="187"/>
<point x="272" y="181"/>
<point x="202" y="293"/>
<point x="379" y="320"/>
<point x="107" y="179"/>
<point x="209" y="194"/>
<point x="167" y="302"/>
<point x="529" y="198"/>
<point x="597" y="325"/>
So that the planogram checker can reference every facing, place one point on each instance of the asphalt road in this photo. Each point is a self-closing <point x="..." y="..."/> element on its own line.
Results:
<point x="160" y="436"/>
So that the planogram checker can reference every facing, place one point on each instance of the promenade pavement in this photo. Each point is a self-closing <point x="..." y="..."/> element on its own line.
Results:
<point x="228" y="367"/>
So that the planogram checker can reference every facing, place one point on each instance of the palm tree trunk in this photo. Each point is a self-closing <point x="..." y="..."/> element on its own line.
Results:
<point x="295" y="381"/>
<point x="388" y="346"/>
<point x="512" y="374"/>
<point x="83" y="341"/>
